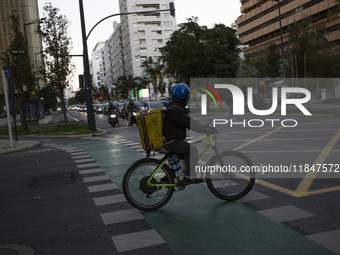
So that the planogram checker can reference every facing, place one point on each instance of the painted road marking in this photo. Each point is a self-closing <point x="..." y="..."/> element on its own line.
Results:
<point x="81" y="156"/>
<point x="128" y="242"/>
<point x="107" y="200"/>
<point x="285" y="213"/>
<point x="309" y="177"/>
<point x="83" y="160"/>
<point x="253" y="195"/>
<point x="96" y="178"/>
<point x="328" y="239"/>
<point x="102" y="187"/>
<point x="87" y="165"/>
<point x="91" y="171"/>
<point x="78" y="153"/>
<point x="121" y="216"/>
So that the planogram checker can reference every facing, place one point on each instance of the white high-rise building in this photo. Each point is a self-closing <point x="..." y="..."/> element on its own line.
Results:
<point x="98" y="65"/>
<point x="137" y="37"/>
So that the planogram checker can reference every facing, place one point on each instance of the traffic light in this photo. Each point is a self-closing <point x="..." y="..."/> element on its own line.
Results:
<point x="172" y="9"/>
<point x="81" y="81"/>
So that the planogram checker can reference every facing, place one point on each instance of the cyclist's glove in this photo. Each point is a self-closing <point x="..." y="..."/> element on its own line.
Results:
<point x="211" y="130"/>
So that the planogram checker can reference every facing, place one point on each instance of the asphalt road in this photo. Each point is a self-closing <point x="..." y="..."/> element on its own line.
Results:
<point x="62" y="218"/>
<point x="314" y="141"/>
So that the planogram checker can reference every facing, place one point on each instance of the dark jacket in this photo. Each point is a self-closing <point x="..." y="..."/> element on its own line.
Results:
<point x="131" y="107"/>
<point x="176" y="121"/>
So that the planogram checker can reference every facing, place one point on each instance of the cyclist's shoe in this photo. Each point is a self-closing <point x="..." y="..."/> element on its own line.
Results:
<point x="188" y="180"/>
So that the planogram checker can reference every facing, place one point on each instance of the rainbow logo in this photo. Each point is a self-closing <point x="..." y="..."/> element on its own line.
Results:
<point x="209" y="93"/>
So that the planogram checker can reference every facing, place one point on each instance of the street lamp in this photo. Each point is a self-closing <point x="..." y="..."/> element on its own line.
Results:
<point x="30" y="23"/>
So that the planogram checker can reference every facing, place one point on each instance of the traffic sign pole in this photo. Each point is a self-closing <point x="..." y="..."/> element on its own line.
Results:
<point x="7" y="108"/>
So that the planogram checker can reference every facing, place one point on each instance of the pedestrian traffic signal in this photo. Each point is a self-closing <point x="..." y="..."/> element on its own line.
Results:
<point x="172" y="9"/>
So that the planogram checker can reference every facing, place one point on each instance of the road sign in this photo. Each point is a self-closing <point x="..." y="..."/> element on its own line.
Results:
<point x="8" y="72"/>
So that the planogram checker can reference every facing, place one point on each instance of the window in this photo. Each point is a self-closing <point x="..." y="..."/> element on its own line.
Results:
<point x="299" y="9"/>
<point x="167" y="23"/>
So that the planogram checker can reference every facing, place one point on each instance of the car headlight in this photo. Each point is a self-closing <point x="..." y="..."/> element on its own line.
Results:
<point x="113" y="115"/>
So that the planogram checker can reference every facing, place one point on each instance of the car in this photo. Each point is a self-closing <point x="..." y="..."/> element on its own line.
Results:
<point x="166" y="99"/>
<point x="296" y="95"/>
<point x="100" y="109"/>
<point x="148" y="106"/>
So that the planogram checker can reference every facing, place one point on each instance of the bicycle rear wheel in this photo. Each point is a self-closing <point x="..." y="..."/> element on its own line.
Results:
<point x="229" y="181"/>
<point x="136" y="190"/>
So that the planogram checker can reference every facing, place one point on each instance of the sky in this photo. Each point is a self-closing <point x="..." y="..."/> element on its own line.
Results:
<point x="208" y="12"/>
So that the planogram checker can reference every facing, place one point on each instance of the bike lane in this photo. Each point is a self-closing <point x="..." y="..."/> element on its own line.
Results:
<point x="196" y="222"/>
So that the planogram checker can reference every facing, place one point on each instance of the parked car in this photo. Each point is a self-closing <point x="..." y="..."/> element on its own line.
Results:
<point x="154" y="104"/>
<point x="166" y="99"/>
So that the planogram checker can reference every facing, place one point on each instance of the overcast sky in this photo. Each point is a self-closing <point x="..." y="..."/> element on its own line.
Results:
<point x="208" y="12"/>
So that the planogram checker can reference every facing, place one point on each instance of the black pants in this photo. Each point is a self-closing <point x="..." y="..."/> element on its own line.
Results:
<point x="186" y="149"/>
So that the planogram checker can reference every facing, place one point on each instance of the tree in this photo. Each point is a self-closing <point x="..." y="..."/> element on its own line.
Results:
<point x="127" y="83"/>
<point x="49" y="94"/>
<point x="308" y="44"/>
<point x="105" y="92"/>
<point x="155" y="72"/>
<point x="195" y="51"/>
<point x="58" y="66"/>
<point x="11" y="60"/>
<point x="80" y="96"/>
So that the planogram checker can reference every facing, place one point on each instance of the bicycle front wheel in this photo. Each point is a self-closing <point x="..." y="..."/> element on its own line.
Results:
<point x="136" y="189"/>
<point x="230" y="176"/>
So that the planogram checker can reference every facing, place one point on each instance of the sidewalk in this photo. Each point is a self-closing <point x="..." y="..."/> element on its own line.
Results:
<point x="5" y="146"/>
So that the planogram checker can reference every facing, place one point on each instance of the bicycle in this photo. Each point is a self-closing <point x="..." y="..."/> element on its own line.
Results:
<point x="149" y="183"/>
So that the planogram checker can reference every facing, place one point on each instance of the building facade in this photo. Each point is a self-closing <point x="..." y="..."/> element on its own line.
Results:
<point x="137" y="37"/>
<point x="98" y="65"/>
<point x="28" y="13"/>
<point x="259" y="26"/>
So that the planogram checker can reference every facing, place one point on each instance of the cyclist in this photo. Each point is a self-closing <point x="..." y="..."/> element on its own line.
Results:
<point x="175" y="123"/>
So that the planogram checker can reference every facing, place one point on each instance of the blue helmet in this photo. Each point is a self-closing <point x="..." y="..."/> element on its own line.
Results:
<point x="180" y="91"/>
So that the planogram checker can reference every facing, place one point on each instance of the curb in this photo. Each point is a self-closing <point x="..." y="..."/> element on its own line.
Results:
<point x="30" y="144"/>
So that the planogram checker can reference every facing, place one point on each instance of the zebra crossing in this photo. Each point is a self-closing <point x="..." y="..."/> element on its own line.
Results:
<point x="93" y="173"/>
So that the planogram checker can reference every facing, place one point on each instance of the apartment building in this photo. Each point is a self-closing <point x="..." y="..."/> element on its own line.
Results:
<point x="137" y="37"/>
<point x="28" y="13"/>
<point x="98" y="65"/>
<point x="259" y="26"/>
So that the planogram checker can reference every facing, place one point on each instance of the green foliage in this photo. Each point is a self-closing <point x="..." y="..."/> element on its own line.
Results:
<point x="11" y="60"/>
<point x="80" y="96"/>
<point x="58" y="66"/>
<point x="265" y="63"/>
<point x="195" y="51"/>
<point x="50" y="94"/>
<point x="72" y="101"/>
<point x="322" y="60"/>
<point x="155" y="72"/>
<point x="125" y="84"/>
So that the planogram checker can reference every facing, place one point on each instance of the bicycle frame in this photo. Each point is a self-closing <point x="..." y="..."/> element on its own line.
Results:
<point x="210" y="143"/>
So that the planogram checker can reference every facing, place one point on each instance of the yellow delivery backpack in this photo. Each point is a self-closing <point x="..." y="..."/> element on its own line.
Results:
<point x="150" y="125"/>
